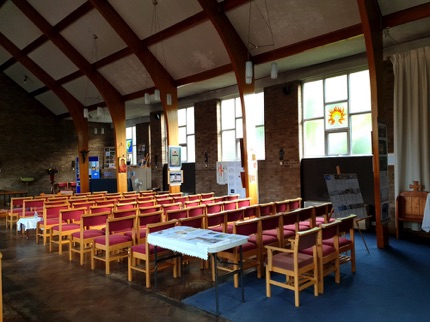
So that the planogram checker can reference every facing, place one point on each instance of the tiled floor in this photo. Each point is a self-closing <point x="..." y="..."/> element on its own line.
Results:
<point x="43" y="286"/>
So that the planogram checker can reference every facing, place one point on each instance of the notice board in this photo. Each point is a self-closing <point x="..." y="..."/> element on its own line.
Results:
<point x="345" y="195"/>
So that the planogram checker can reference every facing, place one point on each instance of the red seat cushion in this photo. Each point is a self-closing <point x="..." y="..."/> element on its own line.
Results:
<point x="113" y="239"/>
<point x="90" y="233"/>
<point x="67" y="227"/>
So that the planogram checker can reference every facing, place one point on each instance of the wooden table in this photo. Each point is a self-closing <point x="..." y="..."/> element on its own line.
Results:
<point x="199" y="243"/>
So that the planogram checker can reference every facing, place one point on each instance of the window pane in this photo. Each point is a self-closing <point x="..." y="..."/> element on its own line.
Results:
<point x="314" y="138"/>
<point x="259" y="143"/>
<point x="337" y="143"/>
<point x="336" y="88"/>
<point x="228" y="146"/>
<point x="227" y="114"/>
<point x="182" y="132"/>
<point x="238" y="107"/>
<point x="239" y="128"/>
<point x="336" y="115"/>
<point x="359" y="89"/>
<point x="183" y="154"/>
<point x="182" y="120"/>
<point x="190" y="120"/>
<point x="191" y="145"/>
<point x="361" y="128"/>
<point x="313" y="101"/>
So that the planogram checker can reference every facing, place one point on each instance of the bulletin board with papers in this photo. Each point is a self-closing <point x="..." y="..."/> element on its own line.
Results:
<point x="345" y="195"/>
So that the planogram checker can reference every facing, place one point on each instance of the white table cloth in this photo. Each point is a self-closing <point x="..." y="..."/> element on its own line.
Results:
<point x="194" y="241"/>
<point x="28" y="223"/>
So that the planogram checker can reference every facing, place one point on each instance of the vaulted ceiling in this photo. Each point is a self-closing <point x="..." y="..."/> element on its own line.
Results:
<point x="131" y="43"/>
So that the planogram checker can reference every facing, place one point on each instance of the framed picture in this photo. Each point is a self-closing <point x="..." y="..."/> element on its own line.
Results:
<point x="175" y="157"/>
<point x="175" y="178"/>
<point x="122" y="165"/>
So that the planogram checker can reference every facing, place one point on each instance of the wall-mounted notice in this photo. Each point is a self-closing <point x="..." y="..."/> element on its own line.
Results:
<point x="345" y="195"/>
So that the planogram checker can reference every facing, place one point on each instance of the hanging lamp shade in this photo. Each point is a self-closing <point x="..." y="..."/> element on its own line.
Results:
<point x="248" y="72"/>
<point x="86" y="113"/>
<point x="147" y="100"/>
<point x="169" y="99"/>
<point x="157" y="94"/>
<point x="99" y="111"/>
<point x="274" y="71"/>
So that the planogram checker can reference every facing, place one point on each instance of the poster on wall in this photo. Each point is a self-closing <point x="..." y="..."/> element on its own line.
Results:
<point x="175" y="178"/>
<point x="175" y="161"/>
<point x="229" y="172"/>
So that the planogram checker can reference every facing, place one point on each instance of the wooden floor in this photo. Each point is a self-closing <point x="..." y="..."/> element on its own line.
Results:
<point x="43" y="286"/>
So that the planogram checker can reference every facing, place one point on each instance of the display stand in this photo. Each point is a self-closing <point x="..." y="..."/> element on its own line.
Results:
<point x="345" y="196"/>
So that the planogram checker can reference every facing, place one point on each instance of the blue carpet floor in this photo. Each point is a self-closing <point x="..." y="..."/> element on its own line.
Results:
<point x="391" y="284"/>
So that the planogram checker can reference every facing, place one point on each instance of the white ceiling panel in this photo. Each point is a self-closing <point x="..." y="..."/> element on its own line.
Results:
<point x="81" y="36"/>
<point x="57" y="66"/>
<point x="53" y="10"/>
<point x="84" y="91"/>
<point x="16" y="26"/>
<point x="4" y="55"/>
<point x="51" y="101"/>
<point x="23" y="77"/>
<point x="146" y="19"/>
<point x="127" y="75"/>
<point x="191" y="52"/>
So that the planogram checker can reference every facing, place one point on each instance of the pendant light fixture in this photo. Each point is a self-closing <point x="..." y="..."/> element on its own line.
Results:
<point x="248" y="65"/>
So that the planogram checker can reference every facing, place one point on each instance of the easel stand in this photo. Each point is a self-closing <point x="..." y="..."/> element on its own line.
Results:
<point x="357" y="221"/>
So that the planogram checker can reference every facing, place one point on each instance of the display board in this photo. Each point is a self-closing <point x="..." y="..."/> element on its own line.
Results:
<point x="345" y="195"/>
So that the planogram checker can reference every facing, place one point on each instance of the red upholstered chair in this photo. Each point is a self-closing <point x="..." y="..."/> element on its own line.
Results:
<point x="102" y="208"/>
<point x="63" y="186"/>
<point x="51" y="217"/>
<point x="346" y="241"/>
<point x="114" y="244"/>
<point x="145" y="252"/>
<point x="207" y="195"/>
<point x="196" y="211"/>
<point x="216" y="221"/>
<point x="74" y="200"/>
<point x="212" y="208"/>
<point x="230" y="205"/>
<point x="207" y="201"/>
<point x="170" y="206"/>
<point x="176" y="214"/>
<point x="87" y="204"/>
<point x="233" y="216"/>
<point x="295" y="203"/>
<point x="69" y="223"/>
<point x="328" y="255"/>
<point x="16" y="206"/>
<point x="72" y="186"/>
<point x="251" y="212"/>
<point x="145" y="203"/>
<point x="242" y="203"/>
<point x="194" y="197"/>
<point x="181" y="199"/>
<point x="165" y="201"/>
<point x="29" y="206"/>
<point x="300" y="270"/>
<point x="305" y="218"/>
<point x="231" y="197"/>
<point x="142" y="221"/>
<point x="272" y="234"/>
<point x="251" y="250"/>
<point x="147" y="210"/>
<point x="290" y="227"/>
<point x="323" y="213"/>
<point x="281" y="206"/>
<point x="91" y="226"/>
<point x="127" y="205"/>
<point x="192" y="203"/>
<point x="266" y="209"/>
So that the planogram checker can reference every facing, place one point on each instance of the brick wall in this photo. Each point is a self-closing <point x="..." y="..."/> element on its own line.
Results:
<point x="206" y="136"/>
<point x="275" y="181"/>
<point x="32" y="139"/>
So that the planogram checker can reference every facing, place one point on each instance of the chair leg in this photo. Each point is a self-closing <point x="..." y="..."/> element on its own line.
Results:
<point x="107" y="263"/>
<point x="148" y="273"/>
<point x="268" y="288"/>
<point x="296" y="290"/>
<point x="92" y="256"/>
<point x="130" y="263"/>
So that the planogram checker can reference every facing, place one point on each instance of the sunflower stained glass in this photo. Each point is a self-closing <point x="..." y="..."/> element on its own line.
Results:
<point x="336" y="115"/>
